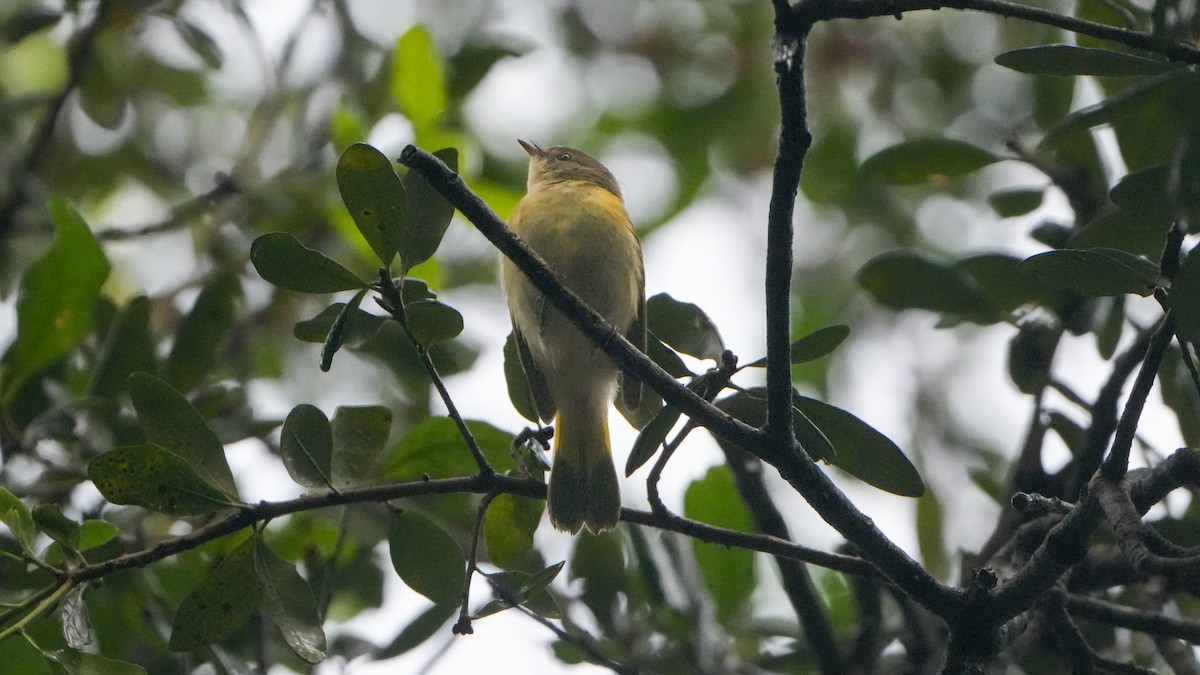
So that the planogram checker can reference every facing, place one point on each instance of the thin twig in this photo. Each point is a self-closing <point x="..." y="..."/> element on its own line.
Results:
<point x="463" y="625"/>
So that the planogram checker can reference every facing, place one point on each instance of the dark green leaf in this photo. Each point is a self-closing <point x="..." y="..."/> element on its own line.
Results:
<point x="50" y="519"/>
<point x="338" y="330"/>
<point x="750" y="407"/>
<point x="155" y="478"/>
<point x="306" y="445"/>
<point x="1012" y="203"/>
<point x="1185" y="298"/>
<point x="666" y="358"/>
<point x="1110" y="324"/>
<point x="431" y="322"/>
<point x="813" y="346"/>
<point x="418" y="84"/>
<point x="434" y="447"/>
<point x="359" y="326"/>
<point x="359" y="436"/>
<point x="1031" y="353"/>
<point x="201" y="333"/>
<point x="475" y="58"/>
<point x="1072" y="435"/>
<point x="426" y="558"/>
<point x="1072" y="60"/>
<point x="17" y="517"/>
<point x="57" y="297"/>
<point x="1095" y="272"/>
<point x="429" y="215"/>
<point x="1002" y="280"/>
<point x="684" y="326"/>
<point x="651" y="437"/>
<point x="285" y="262"/>
<point x="728" y="572"/>
<point x="509" y="527"/>
<point x="170" y="421"/>
<point x="102" y="94"/>
<point x="1179" y="394"/>
<point x="128" y="348"/>
<point x="862" y="451"/>
<point x="516" y="381"/>
<point x="910" y="280"/>
<point x="541" y="581"/>
<point x="926" y="160"/>
<point x="599" y="561"/>
<point x="221" y="603"/>
<point x="421" y="629"/>
<point x="288" y="602"/>
<point x="374" y="197"/>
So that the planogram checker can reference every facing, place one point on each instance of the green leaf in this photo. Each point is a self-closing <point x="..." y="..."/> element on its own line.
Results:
<point x="74" y="662"/>
<point x="221" y="603"/>
<point x="926" y="160"/>
<point x="862" y="451"/>
<point x="306" y="445"/>
<point x="750" y="407"/>
<point x="373" y="195"/>
<point x="17" y="517"/>
<point x="475" y="58"/>
<point x="418" y="84"/>
<point x="509" y="527"/>
<point x="288" y="602"/>
<point x="26" y="21"/>
<point x="1179" y="394"/>
<point x="434" y="447"/>
<point x="359" y="435"/>
<point x="1031" y="354"/>
<point x="910" y="280"/>
<point x="431" y="322"/>
<point x="57" y="297"/>
<point x="359" y="326"/>
<point x="429" y="214"/>
<point x="198" y="40"/>
<point x="1003" y="281"/>
<point x="813" y="346"/>
<point x="282" y="260"/>
<point x="651" y="438"/>
<point x="517" y="382"/>
<point x="931" y="535"/>
<point x="155" y="478"/>
<point x="102" y="94"/>
<point x="728" y="572"/>
<point x="425" y="626"/>
<point x="171" y="422"/>
<point x="94" y="533"/>
<point x="684" y="326"/>
<point x="337" y="331"/>
<point x="599" y="560"/>
<point x="1072" y="60"/>
<point x="1013" y="203"/>
<point x="426" y="558"/>
<point x="1095" y="272"/>
<point x="50" y="519"/>
<point x="1185" y="298"/>
<point x="128" y="348"/>
<point x="201" y="333"/>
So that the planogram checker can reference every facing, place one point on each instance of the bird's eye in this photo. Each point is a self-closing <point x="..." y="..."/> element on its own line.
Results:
<point x="564" y="157"/>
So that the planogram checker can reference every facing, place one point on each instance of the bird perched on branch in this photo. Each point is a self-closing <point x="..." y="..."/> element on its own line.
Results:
<point x="573" y="216"/>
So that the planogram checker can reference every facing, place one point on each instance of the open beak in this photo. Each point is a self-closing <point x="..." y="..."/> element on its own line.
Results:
<point x="531" y="148"/>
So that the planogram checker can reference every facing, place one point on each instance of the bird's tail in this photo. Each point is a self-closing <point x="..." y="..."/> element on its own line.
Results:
<point x="583" y="482"/>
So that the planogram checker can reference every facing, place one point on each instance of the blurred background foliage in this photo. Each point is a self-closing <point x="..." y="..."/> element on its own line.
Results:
<point x="183" y="130"/>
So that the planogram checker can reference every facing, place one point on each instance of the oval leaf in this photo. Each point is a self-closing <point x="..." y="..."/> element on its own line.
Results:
<point x="429" y="214"/>
<point x="220" y="604"/>
<point x="434" y="447"/>
<point x="128" y="348"/>
<point x="813" y="346"/>
<point x="282" y="260"/>
<point x="426" y="558"/>
<point x="908" y="280"/>
<point x="509" y="527"/>
<point x="288" y="602"/>
<point x="359" y="435"/>
<point x="684" y="326"/>
<point x="728" y="572"/>
<point x="862" y="451"/>
<point x="1095" y="272"/>
<point x="306" y="444"/>
<point x="17" y="517"/>
<point x="1072" y="60"/>
<point x="155" y="478"/>
<point x="57" y="297"/>
<point x="418" y="81"/>
<point x="201" y="333"/>
<point x="651" y="438"/>
<point x="431" y="322"/>
<point x="374" y="197"/>
<point x="1185" y="298"/>
<point x="1013" y="203"/>
<point x="171" y="422"/>
<point x="926" y="160"/>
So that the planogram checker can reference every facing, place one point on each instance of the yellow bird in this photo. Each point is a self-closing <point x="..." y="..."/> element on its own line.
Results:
<point x="573" y="216"/>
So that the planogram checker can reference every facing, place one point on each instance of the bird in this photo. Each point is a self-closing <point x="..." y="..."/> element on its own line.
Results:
<point x="573" y="216"/>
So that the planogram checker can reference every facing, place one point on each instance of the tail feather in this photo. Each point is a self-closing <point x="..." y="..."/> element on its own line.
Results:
<point x="583" y="483"/>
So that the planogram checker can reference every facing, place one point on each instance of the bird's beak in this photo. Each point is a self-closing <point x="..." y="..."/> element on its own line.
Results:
<point x="531" y="148"/>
